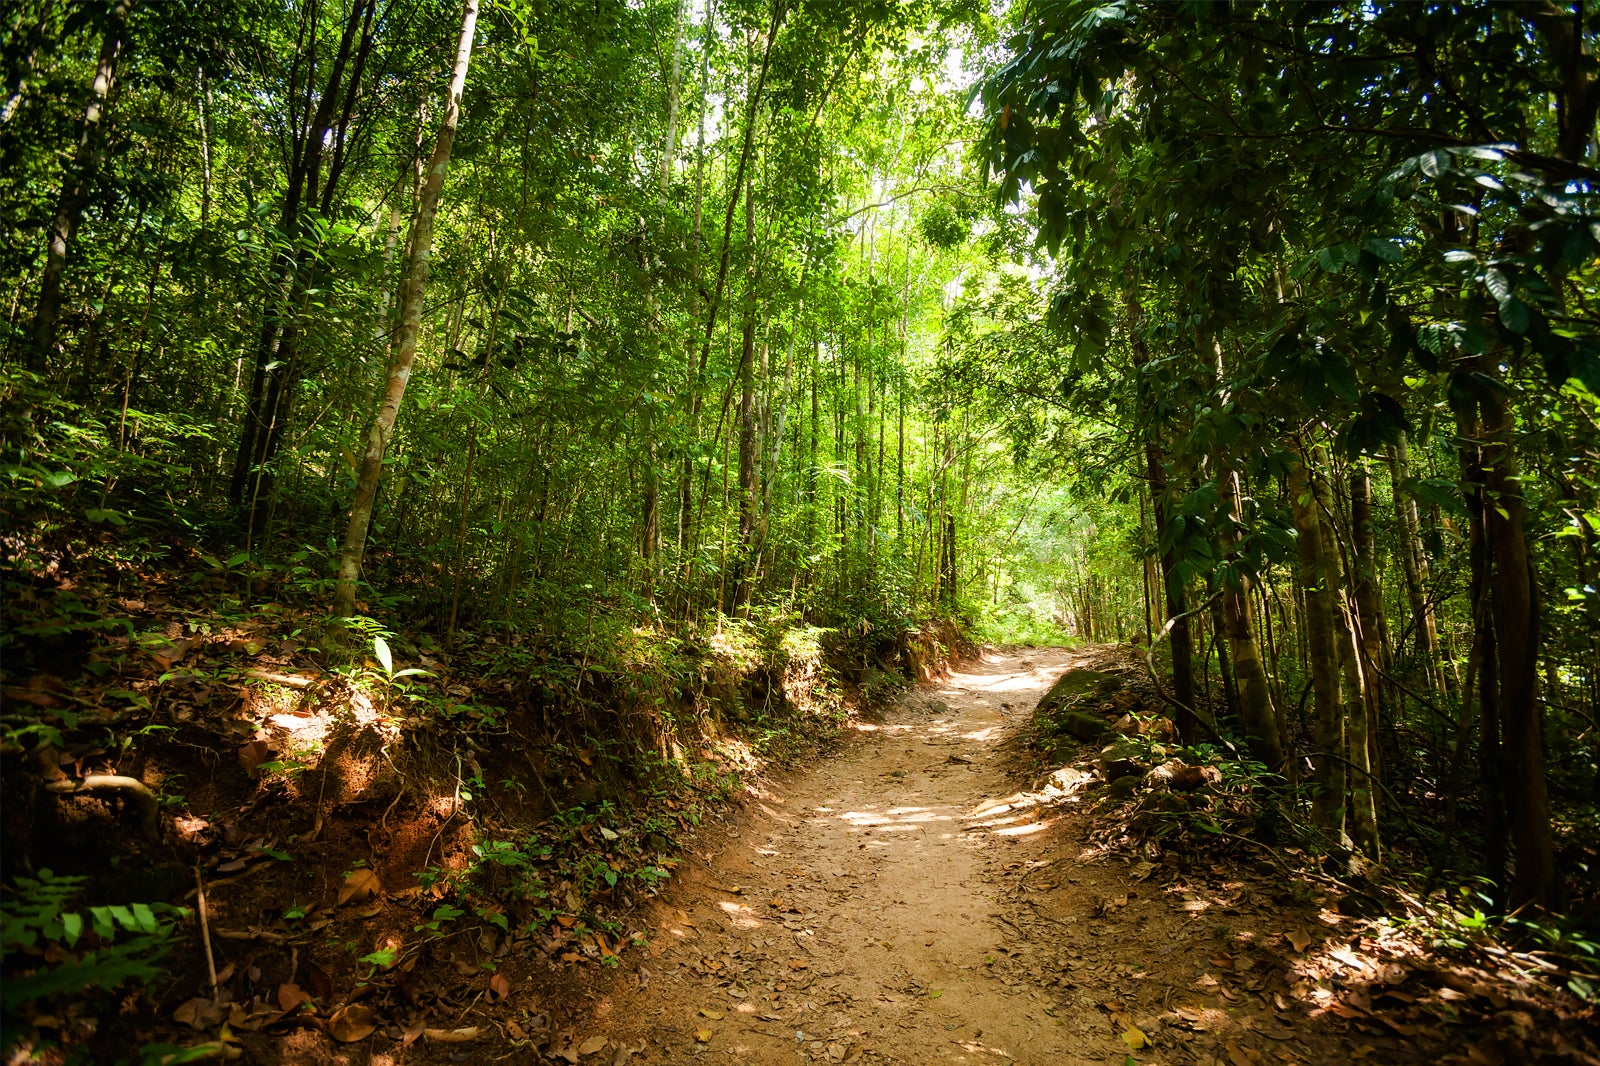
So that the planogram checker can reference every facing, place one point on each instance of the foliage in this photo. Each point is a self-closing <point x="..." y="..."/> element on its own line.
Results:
<point x="54" y="949"/>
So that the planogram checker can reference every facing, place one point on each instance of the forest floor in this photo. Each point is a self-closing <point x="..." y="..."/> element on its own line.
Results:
<point x="936" y="886"/>
<point x="902" y="901"/>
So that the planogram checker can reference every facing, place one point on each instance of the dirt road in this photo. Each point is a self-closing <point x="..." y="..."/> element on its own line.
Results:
<point x="904" y="902"/>
<point x="858" y="915"/>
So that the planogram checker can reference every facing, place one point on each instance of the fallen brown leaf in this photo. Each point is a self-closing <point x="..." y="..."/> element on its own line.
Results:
<point x="199" y="1013"/>
<point x="352" y="1023"/>
<point x="291" y="996"/>
<point x="360" y="885"/>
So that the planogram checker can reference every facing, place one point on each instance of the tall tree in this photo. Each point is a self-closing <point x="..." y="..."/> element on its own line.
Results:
<point x="419" y="254"/>
<point x="76" y="183"/>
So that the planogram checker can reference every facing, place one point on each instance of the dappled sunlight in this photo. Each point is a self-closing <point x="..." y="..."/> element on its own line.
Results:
<point x="740" y="915"/>
<point x="976" y="1047"/>
<point x="1005" y="683"/>
<point x="872" y="727"/>
<point x="1025" y="829"/>
<point x="896" y="818"/>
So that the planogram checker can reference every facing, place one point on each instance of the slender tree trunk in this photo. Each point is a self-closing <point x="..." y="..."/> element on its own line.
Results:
<point x="650" y="519"/>
<point x="75" y="186"/>
<point x="277" y="364"/>
<point x="738" y="184"/>
<point x="1414" y="567"/>
<point x="749" y="436"/>
<point x="1320" y="591"/>
<point x="1368" y="642"/>
<point x="1180" y="636"/>
<point x="462" y="511"/>
<point x="1255" y="694"/>
<point x="695" y="372"/>
<point x="404" y="353"/>
<point x="669" y="147"/>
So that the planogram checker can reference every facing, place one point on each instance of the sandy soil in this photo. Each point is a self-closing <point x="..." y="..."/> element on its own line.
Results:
<point x="862" y="913"/>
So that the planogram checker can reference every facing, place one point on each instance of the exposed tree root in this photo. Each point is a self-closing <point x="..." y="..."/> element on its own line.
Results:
<point x="149" y="805"/>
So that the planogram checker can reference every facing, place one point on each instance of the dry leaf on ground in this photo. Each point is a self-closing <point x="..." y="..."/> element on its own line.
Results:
<point x="360" y="885"/>
<point x="352" y="1023"/>
<point x="291" y="996"/>
<point x="199" y="1013"/>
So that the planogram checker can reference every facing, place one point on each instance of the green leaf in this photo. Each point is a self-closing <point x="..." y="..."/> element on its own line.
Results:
<point x="380" y="648"/>
<point x="1514" y="315"/>
<point x="71" y="928"/>
<point x="100" y="918"/>
<point x="1498" y="284"/>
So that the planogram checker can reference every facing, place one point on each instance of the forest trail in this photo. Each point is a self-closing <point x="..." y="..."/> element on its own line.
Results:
<point x="860" y="912"/>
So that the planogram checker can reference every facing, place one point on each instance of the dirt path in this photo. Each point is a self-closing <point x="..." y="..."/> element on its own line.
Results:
<point x="859" y="914"/>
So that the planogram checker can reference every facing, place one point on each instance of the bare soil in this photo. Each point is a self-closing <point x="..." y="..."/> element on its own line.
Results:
<point x="903" y="902"/>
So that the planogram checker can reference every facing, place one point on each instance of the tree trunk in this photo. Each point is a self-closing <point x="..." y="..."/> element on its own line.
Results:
<point x="404" y="353"/>
<point x="1516" y="637"/>
<point x="277" y="364"/>
<point x="1320" y="591"/>
<point x="1511" y="745"/>
<point x="1368" y="642"/>
<point x="75" y="186"/>
<point x="1255" y="694"/>
<point x="1414" y="566"/>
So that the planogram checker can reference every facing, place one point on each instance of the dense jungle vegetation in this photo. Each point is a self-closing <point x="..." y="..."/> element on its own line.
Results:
<point x="610" y="379"/>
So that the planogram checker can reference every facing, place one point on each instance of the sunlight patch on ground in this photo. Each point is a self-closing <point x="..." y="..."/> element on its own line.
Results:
<point x="902" y="818"/>
<point x="1027" y="829"/>
<point x="740" y="915"/>
<point x="976" y="1048"/>
<point x="1007" y="683"/>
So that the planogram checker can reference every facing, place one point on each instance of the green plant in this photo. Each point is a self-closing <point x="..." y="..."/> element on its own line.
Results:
<point x="442" y="915"/>
<point x="51" y="947"/>
<point x="382" y="959"/>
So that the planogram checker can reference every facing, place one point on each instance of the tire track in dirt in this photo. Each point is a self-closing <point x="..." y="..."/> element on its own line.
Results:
<point x="858" y="913"/>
